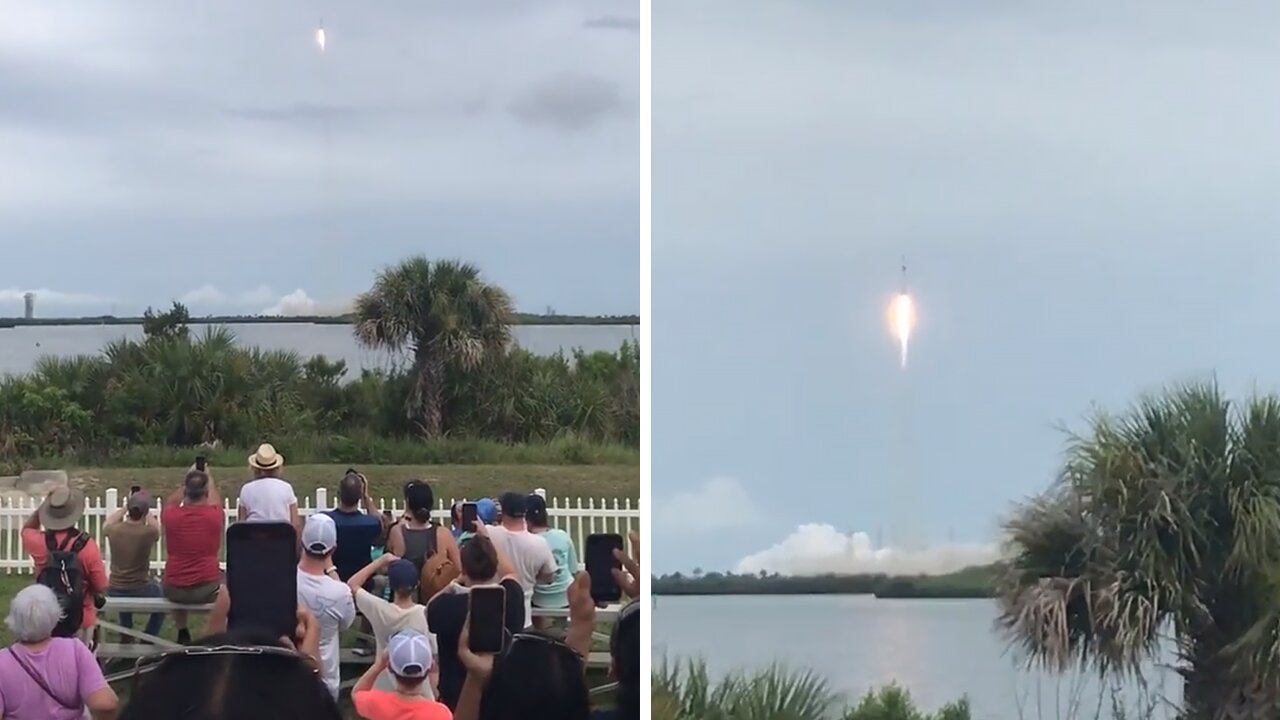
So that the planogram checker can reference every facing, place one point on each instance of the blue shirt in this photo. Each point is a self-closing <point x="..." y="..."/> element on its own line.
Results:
<point x="554" y="593"/>
<point x="357" y="532"/>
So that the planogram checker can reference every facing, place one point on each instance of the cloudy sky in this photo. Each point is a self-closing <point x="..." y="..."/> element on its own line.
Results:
<point x="209" y="152"/>
<point x="1087" y="202"/>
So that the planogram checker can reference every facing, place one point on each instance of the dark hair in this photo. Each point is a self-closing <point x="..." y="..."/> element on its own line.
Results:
<point x="419" y="499"/>
<point x="624" y="648"/>
<point x="195" y="486"/>
<point x="535" y="512"/>
<point x="137" y="513"/>
<point x="244" y="687"/>
<point x="350" y="490"/>
<point x="479" y="558"/>
<point x="536" y="680"/>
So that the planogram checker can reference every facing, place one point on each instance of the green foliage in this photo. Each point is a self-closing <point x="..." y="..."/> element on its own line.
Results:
<point x="1164" y="520"/>
<point x="683" y="690"/>
<point x="168" y="325"/>
<point x="894" y="703"/>
<point x="154" y="400"/>
<point x="451" y="321"/>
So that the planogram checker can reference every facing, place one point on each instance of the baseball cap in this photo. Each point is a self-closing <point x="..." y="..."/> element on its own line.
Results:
<point x="319" y="534"/>
<point x="487" y="511"/>
<point x="139" y="502"/>
<point x="410" y="654"/>
<point x="513" y="504"/>
<point x="402" y="574"/>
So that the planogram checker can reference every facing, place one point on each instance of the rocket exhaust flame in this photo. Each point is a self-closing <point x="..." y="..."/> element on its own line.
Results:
<point x="320" y="40"/>
<point x="902" y="319"/>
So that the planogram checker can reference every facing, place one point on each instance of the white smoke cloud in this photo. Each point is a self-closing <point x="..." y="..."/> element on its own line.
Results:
<point x="818" y="549"/>
<point x="51" y="297"/>
<point x="720" y="502"/>
<point x="295" y="303"/>
<point x="299" y="303"/>
<point x="203" y="295"/>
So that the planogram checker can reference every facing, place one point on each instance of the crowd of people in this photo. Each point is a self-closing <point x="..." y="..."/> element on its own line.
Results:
<point x="407" y="580"/>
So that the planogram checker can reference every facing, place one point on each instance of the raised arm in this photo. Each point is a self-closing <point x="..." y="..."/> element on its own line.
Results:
<point x="358" y="581"/>
<point x="215" y="497"/>
<point x="33" y="521"/>
<point x="582" y="617"/>
<point x="115" y="518"/>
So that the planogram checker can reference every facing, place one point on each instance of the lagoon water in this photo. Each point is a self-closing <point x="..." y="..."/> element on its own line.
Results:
<point x="937" y="649"/>
<point x="21" y="347"/>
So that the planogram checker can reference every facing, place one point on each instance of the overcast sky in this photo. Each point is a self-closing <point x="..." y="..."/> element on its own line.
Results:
<point x="209" y="152"/>
<point x="1087" y="199"/>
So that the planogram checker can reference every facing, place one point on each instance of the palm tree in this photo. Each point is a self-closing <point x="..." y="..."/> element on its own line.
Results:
<point x="445" y="315"/>
<point x="1164" y="522"/>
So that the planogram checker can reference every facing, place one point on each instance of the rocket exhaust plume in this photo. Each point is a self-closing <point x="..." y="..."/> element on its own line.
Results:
<point x="902" y="316"/>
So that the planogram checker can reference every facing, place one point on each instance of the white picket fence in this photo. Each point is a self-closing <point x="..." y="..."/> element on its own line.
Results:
<point x="579" y="519"/>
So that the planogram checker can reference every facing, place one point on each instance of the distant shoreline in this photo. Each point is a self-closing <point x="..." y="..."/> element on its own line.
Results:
<point x="971" y="583"/>
<point x="520" y="319"/>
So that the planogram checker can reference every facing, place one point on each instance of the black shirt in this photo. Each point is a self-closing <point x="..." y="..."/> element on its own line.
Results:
<point x="445" y="616"/>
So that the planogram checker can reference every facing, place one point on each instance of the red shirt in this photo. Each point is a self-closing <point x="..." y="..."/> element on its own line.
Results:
<point x="95" y="572"/>
<point x="193" y="537"/>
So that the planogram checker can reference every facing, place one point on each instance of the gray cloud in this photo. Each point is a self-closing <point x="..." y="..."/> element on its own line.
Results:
<point x="612" y="22"/>
<point x="1087" y="209"/>
<point x="568" y="102"/>
<point x="205" y="136"/>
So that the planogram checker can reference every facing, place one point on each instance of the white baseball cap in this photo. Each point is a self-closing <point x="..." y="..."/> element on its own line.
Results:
<point x="410" y="654"/>
<point x="319" y="534"/>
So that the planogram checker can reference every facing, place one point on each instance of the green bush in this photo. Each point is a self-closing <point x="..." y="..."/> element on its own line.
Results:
<point x="150" y="402"/>
<point x="683" y="690"/>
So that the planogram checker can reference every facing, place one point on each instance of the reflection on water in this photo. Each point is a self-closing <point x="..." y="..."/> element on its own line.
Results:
<point x="20" y="347"/>
<point x="937" y="649"/>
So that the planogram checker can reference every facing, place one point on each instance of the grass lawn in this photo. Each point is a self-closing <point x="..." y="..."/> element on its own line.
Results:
<point x="387" y="481"/>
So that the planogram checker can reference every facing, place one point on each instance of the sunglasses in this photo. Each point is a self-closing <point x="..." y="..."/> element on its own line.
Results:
<point x="149" y="662"/>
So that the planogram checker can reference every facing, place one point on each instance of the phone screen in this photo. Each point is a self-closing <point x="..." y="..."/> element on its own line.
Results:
<point x="200" y="463"/>
<point x="469" y="517"/>
<point x="262" y="577"/>
<point x="600" y="566"/>
<point x="488" y="614"/>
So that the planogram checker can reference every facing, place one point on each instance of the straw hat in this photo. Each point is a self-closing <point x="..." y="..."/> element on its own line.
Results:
<point x="62" y="508"/>
<point x="266" y="458"/>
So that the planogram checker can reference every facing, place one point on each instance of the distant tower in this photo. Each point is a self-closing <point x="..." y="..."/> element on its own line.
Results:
<point x="29" y="305"/>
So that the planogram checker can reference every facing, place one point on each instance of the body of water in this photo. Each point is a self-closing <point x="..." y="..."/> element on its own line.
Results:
<point x="939" y="650"/>
<point x="20" y="347"/>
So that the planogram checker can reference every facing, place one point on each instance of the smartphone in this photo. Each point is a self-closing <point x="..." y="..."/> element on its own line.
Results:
<point x="135" y="489"/>
<point x="470" y="514"/>
<point x="488" y="613"/>
<point x="201" y="462"/>
<point x="262" y="577"/>
<point x="600" y="566"/>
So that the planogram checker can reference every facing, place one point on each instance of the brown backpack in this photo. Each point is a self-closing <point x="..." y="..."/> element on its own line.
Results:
<point x="437" y="572"/>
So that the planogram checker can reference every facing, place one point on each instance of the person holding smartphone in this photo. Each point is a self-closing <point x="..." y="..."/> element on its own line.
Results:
<point x="193" y="521"/>
<point x="482" y="566"/>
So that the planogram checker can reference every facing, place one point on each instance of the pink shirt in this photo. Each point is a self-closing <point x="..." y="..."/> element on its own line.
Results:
<point x="65" y="665"/>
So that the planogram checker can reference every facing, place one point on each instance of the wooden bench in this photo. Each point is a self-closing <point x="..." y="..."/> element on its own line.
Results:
<point x="150" y="644"/>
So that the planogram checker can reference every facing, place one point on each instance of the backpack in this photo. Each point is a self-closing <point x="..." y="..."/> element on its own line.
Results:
<point x="437" y="572"/>
<point x="64" y="574"/>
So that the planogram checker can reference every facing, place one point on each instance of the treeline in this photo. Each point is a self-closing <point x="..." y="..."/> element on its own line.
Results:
<point x="516" y="319"/>
<point x="974" y="582"/>
<point x="182" y="390"/>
